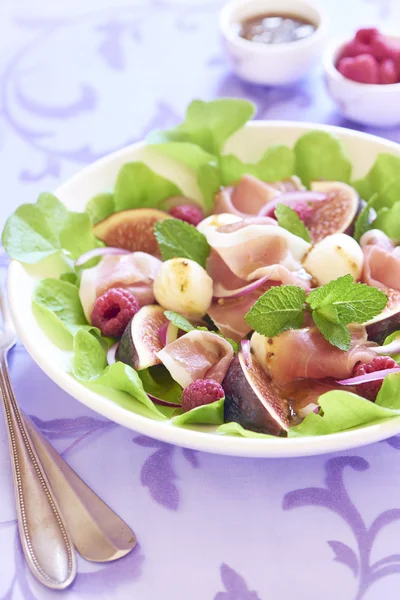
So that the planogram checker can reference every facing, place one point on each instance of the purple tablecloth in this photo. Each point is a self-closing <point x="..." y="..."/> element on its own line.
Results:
<point x="78" y="80"/>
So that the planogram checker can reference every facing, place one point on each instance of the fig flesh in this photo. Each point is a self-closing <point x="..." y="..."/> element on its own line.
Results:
<point x="252" y="400"/>
<point x="336" y="214"/>
<point x="131" y="229"/>
<point x="141" y="340"/>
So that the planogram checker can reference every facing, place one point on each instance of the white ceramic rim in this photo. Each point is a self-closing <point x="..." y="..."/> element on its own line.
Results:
<point x="225" y="23"/>
<point x="329" y="62"/>
<point x="165" y="431"/>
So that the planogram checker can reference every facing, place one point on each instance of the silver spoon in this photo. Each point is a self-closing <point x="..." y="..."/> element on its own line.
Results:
<point x="45" y="539"/>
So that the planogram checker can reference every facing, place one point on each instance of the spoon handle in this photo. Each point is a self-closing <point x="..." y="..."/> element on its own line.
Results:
<point x="98" y="533"/>
<point x="44" y="535"/>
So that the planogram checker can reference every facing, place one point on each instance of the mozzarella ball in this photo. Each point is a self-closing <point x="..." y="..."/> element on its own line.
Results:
<point x="334" y="256"/>
<point x="183" y="286"/>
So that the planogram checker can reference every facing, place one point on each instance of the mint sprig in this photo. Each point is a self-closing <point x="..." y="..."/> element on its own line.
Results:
<point x="332" y="306"/>
<point x="182" y="323"/>
<point x="178" y="239"/>
<point x="290" y="220"/>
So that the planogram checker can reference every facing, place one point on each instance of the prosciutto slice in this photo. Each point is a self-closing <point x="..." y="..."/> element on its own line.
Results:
<point x="305" y="353"/>
<point x="246" y="247"/>
<point x="197" y="355"/>
<point x="134" y="272"/>
<point x="381" y="261"/>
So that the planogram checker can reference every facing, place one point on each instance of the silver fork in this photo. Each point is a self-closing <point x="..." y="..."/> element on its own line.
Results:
<point x="45" y="538"/>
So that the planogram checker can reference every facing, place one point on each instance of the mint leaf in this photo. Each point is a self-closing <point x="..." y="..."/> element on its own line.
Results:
<point x="179" y="321"/>
<point x="209" y="414"/>
<point x="354" y="302"/>
<point x="209" y="183"/>
<point x="290" y="220"/>
<point x="36" y="231"/>
<point x="276" y="164"/>
<point x="320" y="155"/>
<point x="100" y="207"/>
<point x="365" y="219"/>
<point x="179" y="239"/>
<point x="337" y="334"/>
<point x="209" y="124"/>
<point x="341" y="410"/>
<point x="137" y="186"/>
<point x="279" y="309"/>
<point x="388" y="221"/>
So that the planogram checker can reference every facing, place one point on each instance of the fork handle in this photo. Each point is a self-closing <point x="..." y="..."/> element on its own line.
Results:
<point x="44" y="536"/>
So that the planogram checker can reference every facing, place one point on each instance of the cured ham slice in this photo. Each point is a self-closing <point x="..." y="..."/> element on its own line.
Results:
<point x="134" y="272"/>
<point x="246" y="247"/>
<point x="197" y="355"/>
<point x="381" y="261"/>
<point x="250" y="195"/>
<point x="305" y="353"/>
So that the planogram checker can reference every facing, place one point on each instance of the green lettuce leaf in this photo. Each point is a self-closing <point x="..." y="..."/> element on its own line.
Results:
<point x="36" y="231"/>
<point x="235" y="429"/>
<point x="190" y="155"/>
<point x="58" y="304"/>
<point x="209" y="414"/>
<point x="320" y="155"/>
<point x="391" y="338"/>
<point x="389" y="394"/>
<point x="178" y="239"/>
<point x="100" y="207"/>
<point x="89" y="365"/>
<point x="159" y="383"/>
<point x="388" y="221"/>
<point x="366" y="219"/>
<point x="276" y="164"/>
<point x="383" y="178"/>
<point x="137" y="186"/>
<point x="209" y="182"/>
<point x="209" y="124"/>
<point x="343" y="410"/>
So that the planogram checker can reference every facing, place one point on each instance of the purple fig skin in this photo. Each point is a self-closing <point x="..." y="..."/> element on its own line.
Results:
<point x="252" y="400"/>
<point x="380" y="330"/>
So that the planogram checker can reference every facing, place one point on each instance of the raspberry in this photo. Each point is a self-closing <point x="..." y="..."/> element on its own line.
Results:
<point x="303" y="210"/>
<point x="354" y="48"/>
<point x="113" y="310"/>
<point x="366" y="35"/>
<point x="201" y="392"/>
<point x="387" y="71"/>
<point x="362" y="68"/>
<point x="187" y="212"/>
<point x="370" y="389"/>
<point x="382" y="47"/>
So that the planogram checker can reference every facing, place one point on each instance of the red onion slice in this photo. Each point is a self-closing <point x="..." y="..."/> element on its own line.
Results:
<point x="111" y="353"/>
<point x="245" y="344"/>
<point x="221" y="292"/>
<point x="289" y="199"/>
<point x="163" y="402"/>
<point x="376" y="376"/>
<point x="99" y="252"/>
<point x="162" y="332"/>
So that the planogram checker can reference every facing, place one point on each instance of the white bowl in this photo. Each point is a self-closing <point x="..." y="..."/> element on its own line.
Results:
<point x="272" y="64"/>
<point x="375" y="105"/>
<point x="249" y="144"/>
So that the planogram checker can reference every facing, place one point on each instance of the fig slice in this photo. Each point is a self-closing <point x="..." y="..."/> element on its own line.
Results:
<point x="388" y="321"/>
<point x="131" y="229"/>
<point x="336" y="214"/>
<point x="251" y="398"/>
<point x="141" y="340"/>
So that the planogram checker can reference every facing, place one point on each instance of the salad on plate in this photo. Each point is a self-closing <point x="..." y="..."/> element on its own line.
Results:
<point x="269" y="308"/>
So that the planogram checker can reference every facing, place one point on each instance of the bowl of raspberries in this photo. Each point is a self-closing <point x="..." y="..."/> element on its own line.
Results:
<point x="363" y="77"/>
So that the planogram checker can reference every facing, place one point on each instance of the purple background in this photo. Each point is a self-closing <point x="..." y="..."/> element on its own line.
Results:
<point x="78" y="80"/>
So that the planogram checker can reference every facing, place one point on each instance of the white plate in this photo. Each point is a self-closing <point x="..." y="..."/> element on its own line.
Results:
<point x="248" y="144"/>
